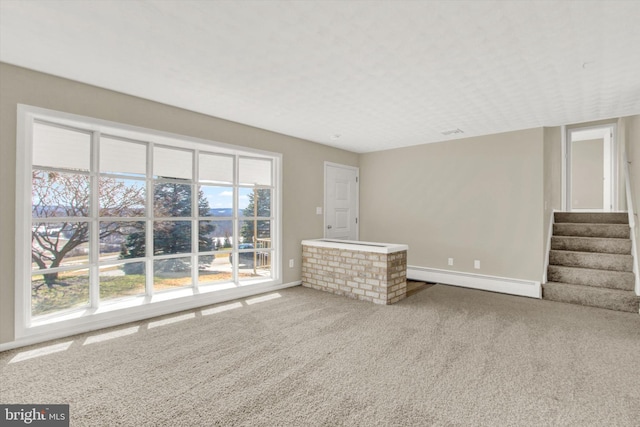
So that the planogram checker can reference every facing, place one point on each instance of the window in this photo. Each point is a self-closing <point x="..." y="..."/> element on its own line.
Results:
<point x="123" y="217"/>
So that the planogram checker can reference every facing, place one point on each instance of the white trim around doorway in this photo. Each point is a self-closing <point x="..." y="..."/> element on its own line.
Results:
<point x="612" y="167"/>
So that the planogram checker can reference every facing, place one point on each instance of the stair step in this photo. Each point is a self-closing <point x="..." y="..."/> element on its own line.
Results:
<point x="612" y="299"/>
<point x="592" y="217"/>
<point x="591" y="244"/>
<point x="622" y="280"/>
<point x="612" y="262"/>
<point x="615" y="231"/>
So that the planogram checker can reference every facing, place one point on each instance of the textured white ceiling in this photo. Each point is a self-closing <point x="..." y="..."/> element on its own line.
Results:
<point x="381" y="74"/>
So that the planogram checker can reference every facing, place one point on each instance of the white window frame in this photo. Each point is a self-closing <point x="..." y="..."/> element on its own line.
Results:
<point x="151" y="304"/>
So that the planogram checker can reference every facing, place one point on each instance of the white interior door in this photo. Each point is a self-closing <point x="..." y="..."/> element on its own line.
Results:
<point x="340" y="201"/>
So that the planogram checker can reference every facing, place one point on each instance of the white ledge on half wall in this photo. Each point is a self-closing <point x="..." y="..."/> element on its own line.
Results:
<point x="505" y="285"/>
<point x="356" y="245"/>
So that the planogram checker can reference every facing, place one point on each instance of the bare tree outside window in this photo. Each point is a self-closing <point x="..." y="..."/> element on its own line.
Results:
<point x="67" y="196"/>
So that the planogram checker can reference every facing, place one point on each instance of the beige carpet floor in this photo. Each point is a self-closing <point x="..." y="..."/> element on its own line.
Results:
<point x="300" y="357"/>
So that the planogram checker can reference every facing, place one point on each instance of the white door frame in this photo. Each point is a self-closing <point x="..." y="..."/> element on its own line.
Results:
<point x="357" y="195"/>
<point x="612" y="165"/>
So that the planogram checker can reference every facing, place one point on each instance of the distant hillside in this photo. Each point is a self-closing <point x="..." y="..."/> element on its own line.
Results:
<point x="223" y="228"/>
<point x="221" y="212"/>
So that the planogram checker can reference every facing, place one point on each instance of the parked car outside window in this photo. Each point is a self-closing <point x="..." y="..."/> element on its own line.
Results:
<point x="246" y="258"/>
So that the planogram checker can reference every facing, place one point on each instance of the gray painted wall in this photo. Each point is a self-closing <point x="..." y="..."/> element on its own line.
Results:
<point x="587" y="172"/>
<point x="475" y="198"/>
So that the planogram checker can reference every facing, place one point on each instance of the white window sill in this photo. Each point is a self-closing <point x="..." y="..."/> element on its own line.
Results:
<point x="116" y="306"/>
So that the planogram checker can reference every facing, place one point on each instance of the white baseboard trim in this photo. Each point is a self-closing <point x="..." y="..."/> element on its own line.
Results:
<point x="146" y="312"/>
<point x="505" y="285"/>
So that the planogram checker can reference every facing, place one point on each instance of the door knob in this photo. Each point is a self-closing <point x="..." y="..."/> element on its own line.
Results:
<point x="329" y="227"/>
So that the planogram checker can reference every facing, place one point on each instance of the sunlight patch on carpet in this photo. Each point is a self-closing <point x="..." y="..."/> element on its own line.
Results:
<point x="262" y="298"/>
<point x="171" y="320"/>
<point x="111" y="335"/>
<point x="42" y="351"/>
<point x="221" y="308"/>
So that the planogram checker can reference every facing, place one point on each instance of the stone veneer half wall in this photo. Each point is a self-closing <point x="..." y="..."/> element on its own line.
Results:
<point x="380" y="278"/>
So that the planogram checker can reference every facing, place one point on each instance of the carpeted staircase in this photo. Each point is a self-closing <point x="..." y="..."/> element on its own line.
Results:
<point x="590" y="261"/>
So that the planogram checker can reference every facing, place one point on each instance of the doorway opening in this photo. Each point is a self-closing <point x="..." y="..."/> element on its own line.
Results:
<point x="591" y="169"/>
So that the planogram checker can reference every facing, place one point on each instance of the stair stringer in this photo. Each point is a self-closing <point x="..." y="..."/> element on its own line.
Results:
<point x="548" y="252"/>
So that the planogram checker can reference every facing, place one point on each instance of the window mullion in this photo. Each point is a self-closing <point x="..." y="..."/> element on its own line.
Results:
<point x="94" y="226"/>
<point x="195" y="215"/>
<point x="149" y="223"/>
<point x="236" y="228"/>
<point x="274" y="251"/>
